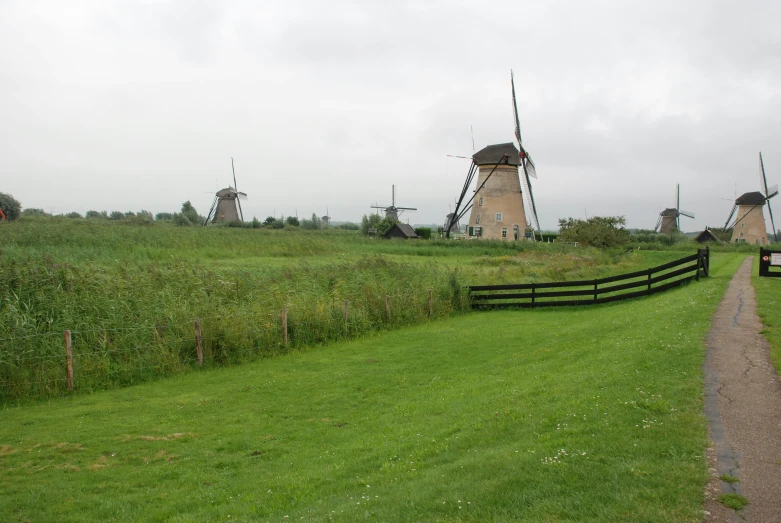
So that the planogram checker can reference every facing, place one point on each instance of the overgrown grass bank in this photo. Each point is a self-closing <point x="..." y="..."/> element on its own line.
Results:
<point x="130" y="294"/>
<point x="590" y="414"/>
<point x="768" y="292"/>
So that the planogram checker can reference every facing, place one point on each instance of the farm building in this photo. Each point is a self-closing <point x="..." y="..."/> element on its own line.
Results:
<point x="401" y="230"/>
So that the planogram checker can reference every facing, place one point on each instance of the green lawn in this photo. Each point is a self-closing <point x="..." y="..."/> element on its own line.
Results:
<point x="768" y="292"/>
<point x="577" y="414"/>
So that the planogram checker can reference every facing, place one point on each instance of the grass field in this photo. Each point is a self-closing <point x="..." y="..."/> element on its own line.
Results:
<point x="590" y="414"/>
<point x="768" y="292"/>
<point x="130" y="294"/>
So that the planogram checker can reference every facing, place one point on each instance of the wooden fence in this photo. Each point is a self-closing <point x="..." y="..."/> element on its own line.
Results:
<point x="587" y="292"/>
<point x="770" y="263"/>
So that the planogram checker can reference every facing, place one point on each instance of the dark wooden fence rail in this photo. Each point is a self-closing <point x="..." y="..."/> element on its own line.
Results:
<point x="603" y="290"/>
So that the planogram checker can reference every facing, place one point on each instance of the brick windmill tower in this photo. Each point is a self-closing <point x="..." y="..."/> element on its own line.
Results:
<point x="498" y="210"/>
<point x="670" y="219"/>
<point x="749" y="225"/>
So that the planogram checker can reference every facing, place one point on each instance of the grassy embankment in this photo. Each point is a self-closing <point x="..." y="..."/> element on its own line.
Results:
<point x="130" y="294"/>
<point x="588" y="414"/>
<point x="768" y="292"/>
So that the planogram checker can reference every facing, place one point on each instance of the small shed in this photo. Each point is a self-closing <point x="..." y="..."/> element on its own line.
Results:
<point x="706" y="236"/>
<point x="401" y="230"/>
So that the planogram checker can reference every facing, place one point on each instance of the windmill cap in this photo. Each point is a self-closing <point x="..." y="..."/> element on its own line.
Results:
<point x="492" y="154"/>
<point x="669" y="212"/>
<point x="751" y="198"/>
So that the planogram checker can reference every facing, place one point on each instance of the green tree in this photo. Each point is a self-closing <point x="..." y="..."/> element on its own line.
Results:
<point x="73" y="214"/>
<point x="95" y="214"/>
<point x="370" y="221"/>
<point x="189" y="211"/>
<point x="181" y="220"/>
<point x="269" y="220"/>
<point x="116" y="215"/>
<point x="292" y="220"/>
<point x="32" y="211"/>
<point x="313" y="223"/>
<point x="10" y="206"/>
<point x="598" y="231"/>
<point x="164" y="216"/>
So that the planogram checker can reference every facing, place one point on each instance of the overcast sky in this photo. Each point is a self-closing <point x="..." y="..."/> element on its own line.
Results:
<point x="122" y="105"/>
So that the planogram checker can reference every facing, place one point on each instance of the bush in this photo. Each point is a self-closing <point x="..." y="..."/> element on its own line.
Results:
<point x="277" y="224"/>
<point x="10" y="206"/>
<point x="256" y="223"/>
<point x="292" y="220"/>
<point x="423" y="232"/>
<point x="164" y="216"/>
<point x="597" y="231"/>
<point x="371" y="221"/>
<point x="181" y="220"/>
<point x="313" y="223"/>
<point x="189" y="211"/>
<point x="32" y="211"/>
<point x="350" y="226"/>
<point x="269" y="220"/>
<point x="73" y="214"/>
<point x="96" y="214"/>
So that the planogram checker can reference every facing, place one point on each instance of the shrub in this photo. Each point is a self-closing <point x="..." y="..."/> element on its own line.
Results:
<point x="10" y="206"/>
<point x="189" y="211"/>
<point x="313" y="223"/>
<point x="371" y="221"/>
<point x="256" y="223"/>
<point x="269" y="220"/>
<point x="96" y="214"/>
<point x="181" y="220"/>
<point x="424" y="232"/>
<point x="597" y="231"/>
<point x="277" y="224"/>
<point x="32" y="211"/>
<point x="73" y="214"/>
<point x="350" y="226"/>
<point x="292" y="220"/>
<point x="116" y="215"/>
<point x="164" y="216"/>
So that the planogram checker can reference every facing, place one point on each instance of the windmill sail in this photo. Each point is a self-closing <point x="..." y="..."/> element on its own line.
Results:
<point x="527" y="163"/>
<point x="769" y="193"/>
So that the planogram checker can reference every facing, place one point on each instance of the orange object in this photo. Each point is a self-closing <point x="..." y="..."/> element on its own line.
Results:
<point x="2" y="213"/>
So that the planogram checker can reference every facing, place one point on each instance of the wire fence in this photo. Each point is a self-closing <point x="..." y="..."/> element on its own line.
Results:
<point x="87" y="359"/>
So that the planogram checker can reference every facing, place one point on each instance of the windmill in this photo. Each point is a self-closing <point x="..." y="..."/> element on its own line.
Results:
<point x="749" y="225"/>
<point x="498" y="209"/>
<point x="670" y="219"/>
<point x="392" y="211"/>
<point x="325" y="221"/>
<point x="226" y="206"/>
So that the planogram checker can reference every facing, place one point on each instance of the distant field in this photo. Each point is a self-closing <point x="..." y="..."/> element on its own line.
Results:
<point x="130" y="293"/>
<point x="589" y="414"/>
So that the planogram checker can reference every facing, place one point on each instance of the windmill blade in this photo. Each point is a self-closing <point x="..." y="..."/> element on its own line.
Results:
<point x="772" y="192"/>
<point x="763" y="178"/>
<point x="467" y="184"/>
<point x="658" y="222"/>
<point x="236" y="188"/>
<point x="515" y="109"/>
<point x="536" y="221"/>
<point x="406" y="208"/>
<point x="530" y="167"/>
<point x="211" y="210"/>
<point x="686" y="213"/>
<point x="772" y="222"/>
<point x="734" y="207"/>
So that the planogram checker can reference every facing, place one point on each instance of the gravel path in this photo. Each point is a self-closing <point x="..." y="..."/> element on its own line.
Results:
<point x="743" y="407"/>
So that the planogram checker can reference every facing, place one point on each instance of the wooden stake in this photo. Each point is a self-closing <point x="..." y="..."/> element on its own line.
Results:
<point x="387" y="307"/>
<point x="346" y="314"/>
<point x="68" y="360"/>
<point x="430" y="303"/>
<point x="198" y="342"/>
<point x="284" y="325"/>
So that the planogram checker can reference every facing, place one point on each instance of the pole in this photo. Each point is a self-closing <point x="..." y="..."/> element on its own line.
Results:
<point x="68" y="360"/>
<point x="198" y="343"/>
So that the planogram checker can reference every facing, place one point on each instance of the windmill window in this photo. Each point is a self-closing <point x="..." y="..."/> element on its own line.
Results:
<point x="480" y="202"/>
<point x="742" y="225"/>
<point x="477" y="220"/>
<point x="498" y="217"/>
<point x="504" y="232"/>
<point x="478" y="231"/>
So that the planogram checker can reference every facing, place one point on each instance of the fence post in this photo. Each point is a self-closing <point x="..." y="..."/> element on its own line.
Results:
<point x="649" y="280"/>
<point x="533" y="288"/>
<point x="346" y="313"/>
<point x="707" y="261"/>
<point x="430" y="302"/>
<point x="387" y="307"/>
<point x="284" y="325"/>
<point x="68" y="360"/>
<point x="595" y="291"/>
<point x="198" y="342"/>
<point x="699" y="260"/>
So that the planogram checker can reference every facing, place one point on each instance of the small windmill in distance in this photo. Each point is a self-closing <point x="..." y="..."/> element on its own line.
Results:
<point x="226" y="206"/>
<point x="749" y="225"/>
<point x="670" y="219"/>
<point x="392" y="211"/>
